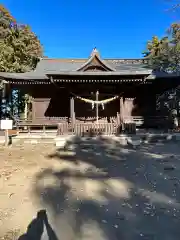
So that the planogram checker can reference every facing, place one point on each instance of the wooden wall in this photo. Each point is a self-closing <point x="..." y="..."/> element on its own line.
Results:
<point x="50" y="101"/>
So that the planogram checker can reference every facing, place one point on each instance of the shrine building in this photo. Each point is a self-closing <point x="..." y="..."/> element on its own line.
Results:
<point x="91" y="90"/>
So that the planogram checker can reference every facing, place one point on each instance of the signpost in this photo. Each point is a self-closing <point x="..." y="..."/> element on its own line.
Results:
<point x="6" y="125"/>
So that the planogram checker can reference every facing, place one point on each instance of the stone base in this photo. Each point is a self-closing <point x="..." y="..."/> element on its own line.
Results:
<point x="61" y="141"/>
<point x="33" y="141"/>
<point x="123" y="139"/>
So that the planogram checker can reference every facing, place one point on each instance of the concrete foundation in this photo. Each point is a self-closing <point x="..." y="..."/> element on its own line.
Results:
<point x="123" y="139"/>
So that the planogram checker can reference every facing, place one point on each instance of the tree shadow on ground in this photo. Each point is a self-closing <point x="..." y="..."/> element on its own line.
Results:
<point x="104" y="190"/>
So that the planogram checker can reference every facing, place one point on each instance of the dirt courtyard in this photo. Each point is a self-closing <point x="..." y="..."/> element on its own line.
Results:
<point x="96" y="189"/>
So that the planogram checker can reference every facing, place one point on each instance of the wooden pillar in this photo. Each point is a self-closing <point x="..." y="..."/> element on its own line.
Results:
<point x="1" y="98"/>
<point x="121" y="112"/>
<point x="72" y="113"/>
<point x="97" y="107"/>
<point x="4" y="101"/>
<point x="33" y="110"/>
<point x="10" y="99"/>
<point x="128" y="108"/>
<point x="18" y="110"/>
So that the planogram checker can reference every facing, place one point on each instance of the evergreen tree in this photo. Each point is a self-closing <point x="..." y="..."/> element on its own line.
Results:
<point x="157" y="53"/>
<point x="20" y="48"/>
<point x="164" y="55"/>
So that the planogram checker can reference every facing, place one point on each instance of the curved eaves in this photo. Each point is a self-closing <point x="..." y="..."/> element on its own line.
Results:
<point x="102" y="64"/>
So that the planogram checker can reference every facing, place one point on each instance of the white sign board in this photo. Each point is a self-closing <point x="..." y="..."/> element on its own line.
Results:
<point x="6" y="124"/>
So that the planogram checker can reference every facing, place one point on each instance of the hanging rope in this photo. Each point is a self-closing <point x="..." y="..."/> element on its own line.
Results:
<point x="105" y="101"/>
<point x="101" y="102"/>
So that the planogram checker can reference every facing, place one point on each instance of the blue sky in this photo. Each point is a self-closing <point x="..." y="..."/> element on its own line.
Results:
<point x="70" y="29"/>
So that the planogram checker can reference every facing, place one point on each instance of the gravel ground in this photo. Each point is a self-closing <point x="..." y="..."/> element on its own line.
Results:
<point x="95" y="189"/>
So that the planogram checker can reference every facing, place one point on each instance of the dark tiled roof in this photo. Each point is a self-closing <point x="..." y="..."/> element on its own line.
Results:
<point x="48" y="66"/>
<point x="52" y="65"/>
<point x="69" y="67"/>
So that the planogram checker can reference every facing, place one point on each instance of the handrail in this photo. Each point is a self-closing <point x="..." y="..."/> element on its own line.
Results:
<point x="114" y="119"/>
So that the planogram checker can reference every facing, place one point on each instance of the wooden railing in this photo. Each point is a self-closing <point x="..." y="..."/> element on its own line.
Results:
<point x="44" y="120"/>
<point x="40" y="124"/>
<point x="87" y="125"/>
<point x="152" y="120"/>
<point x="139" y="120"/>
<point x="89" y="129"/>
<point x="90" y="119"/>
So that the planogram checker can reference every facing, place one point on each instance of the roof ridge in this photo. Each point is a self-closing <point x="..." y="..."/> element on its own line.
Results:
<point x="46" y="58"/>
<point x="95" y="55"/>
<point x="84" y="60"/>
<point x="123" y="58"/>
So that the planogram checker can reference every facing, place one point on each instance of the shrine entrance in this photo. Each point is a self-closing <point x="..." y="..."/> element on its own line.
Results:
<point x="96" y="125"/>
<point x="98" y="104"/>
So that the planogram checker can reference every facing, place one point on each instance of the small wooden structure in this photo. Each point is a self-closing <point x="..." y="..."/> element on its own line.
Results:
<point x="72" y="94"/>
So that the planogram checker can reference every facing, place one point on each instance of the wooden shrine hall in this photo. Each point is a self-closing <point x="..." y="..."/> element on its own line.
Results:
<point x="92" y="90"/>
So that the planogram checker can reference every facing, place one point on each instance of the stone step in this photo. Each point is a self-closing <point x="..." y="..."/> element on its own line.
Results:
<point x="62" y="141"/>
<point x="33" y="141"/>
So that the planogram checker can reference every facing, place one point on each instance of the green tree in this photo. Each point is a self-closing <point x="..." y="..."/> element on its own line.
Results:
<point x="164" y="54"/>
<point x="20" y="49"/>
<point x="157" y="53"/>
<point x="19" y="46"/>
<point x="174" y="47"/>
